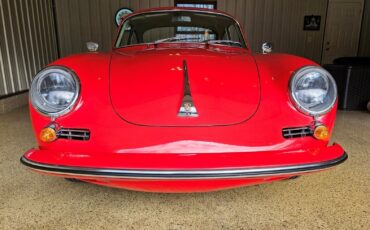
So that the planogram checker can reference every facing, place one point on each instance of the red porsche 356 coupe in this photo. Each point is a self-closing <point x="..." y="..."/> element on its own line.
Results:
<point x="181" y="104"/>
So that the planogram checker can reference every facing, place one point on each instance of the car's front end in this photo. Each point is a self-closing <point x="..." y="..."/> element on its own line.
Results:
<point x="182" y="117"/>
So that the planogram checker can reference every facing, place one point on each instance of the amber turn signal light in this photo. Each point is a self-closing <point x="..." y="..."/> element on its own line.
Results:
<point x="48" y="135"/>
<point x="321" y="132"/>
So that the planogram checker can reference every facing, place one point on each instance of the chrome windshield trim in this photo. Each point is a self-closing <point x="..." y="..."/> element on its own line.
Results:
<point x="182" y="174"/>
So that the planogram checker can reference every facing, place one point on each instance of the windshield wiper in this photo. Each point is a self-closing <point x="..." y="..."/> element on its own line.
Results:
<point x="170" y="39"/>
<point x="227" y="42"/>
<point x="209" y="41"/>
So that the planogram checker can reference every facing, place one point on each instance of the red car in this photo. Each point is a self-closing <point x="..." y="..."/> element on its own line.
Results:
<point x="181" y="104"/>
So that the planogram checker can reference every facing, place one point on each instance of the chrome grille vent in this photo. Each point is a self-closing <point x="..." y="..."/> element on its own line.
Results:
<point x="74" y="134"/>
<point x="297" y="132"/>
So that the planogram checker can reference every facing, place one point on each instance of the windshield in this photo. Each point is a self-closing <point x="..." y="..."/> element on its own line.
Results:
<point x="180" y="26"/>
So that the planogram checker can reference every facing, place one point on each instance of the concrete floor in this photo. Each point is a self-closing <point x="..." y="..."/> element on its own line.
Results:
<point x="336" y="199"/>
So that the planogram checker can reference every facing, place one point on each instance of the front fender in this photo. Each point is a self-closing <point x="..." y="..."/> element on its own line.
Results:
<point x="275" y="72"/>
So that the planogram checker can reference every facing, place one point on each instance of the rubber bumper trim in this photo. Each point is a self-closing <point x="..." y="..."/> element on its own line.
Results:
<point x="71" y="171"/>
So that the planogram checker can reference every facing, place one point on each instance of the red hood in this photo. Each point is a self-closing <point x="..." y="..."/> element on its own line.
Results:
<point x="147" y="85"/>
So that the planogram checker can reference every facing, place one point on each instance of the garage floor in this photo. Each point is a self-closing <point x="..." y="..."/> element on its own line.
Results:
<point x="336" y="199"/>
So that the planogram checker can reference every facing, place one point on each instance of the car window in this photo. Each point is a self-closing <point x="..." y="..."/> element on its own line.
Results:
<point x="231" y="33"/>
<point x="133" y="39"/>
<point x="180" y="26"/>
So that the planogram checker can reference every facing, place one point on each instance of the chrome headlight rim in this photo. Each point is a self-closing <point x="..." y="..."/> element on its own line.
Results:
<point x="41" y="74"/>
<point x="302" y="72"/>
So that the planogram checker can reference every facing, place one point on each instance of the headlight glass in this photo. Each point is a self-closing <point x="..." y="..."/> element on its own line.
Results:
<point x="54" y="91"/>
<point x="313" y="90"/>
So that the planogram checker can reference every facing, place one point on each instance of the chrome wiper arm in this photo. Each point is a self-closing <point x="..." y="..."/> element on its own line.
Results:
<point x="170" y="39"/>
<point x="223" y="42"/>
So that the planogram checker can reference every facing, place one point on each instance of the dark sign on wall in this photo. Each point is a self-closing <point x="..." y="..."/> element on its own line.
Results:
<point x="312" y="22"/>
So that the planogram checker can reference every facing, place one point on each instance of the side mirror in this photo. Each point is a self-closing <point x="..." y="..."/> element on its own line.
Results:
<point x="266" y="47"/>
<point x="92" y="46"/>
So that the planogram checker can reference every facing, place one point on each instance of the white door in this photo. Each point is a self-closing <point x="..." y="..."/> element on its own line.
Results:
<point x="342" y="32"/>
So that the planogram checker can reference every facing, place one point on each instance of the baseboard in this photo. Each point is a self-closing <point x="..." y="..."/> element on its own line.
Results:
<point x="10" y="103"/>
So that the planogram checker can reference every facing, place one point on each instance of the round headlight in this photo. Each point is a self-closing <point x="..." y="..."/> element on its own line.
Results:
<point x="313" y="90"/>
<point x="54" y="91"/>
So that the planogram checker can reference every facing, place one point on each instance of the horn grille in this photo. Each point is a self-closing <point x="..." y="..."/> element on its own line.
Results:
<point x="297" y="132"/>
<point x="74" y="134"/>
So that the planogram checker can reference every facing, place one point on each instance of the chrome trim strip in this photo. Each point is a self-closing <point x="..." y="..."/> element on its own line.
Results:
<point x="182" y="174"/>
<point x="187" y="108"/>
